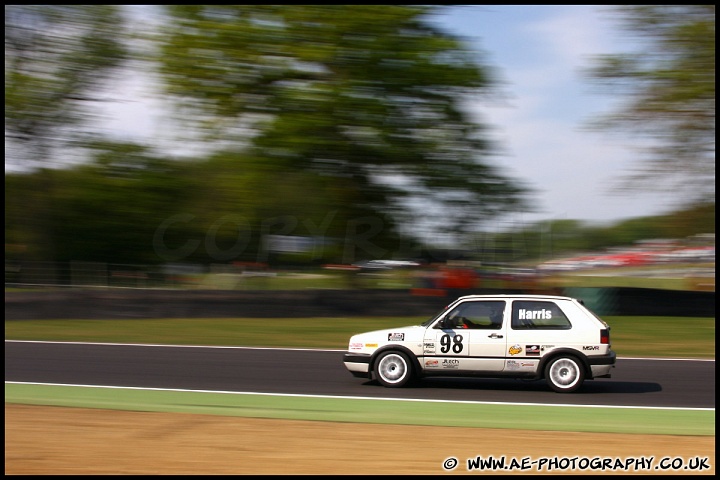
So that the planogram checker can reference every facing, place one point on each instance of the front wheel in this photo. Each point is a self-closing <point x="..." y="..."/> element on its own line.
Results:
<point x="393" y="369"/>
<point x="564" y="374"/>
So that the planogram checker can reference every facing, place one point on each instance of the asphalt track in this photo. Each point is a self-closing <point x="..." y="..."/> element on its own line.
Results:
<point x="634" y="382"/>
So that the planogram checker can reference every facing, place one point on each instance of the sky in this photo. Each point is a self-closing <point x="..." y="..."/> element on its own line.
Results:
<point x="538" y="53"/>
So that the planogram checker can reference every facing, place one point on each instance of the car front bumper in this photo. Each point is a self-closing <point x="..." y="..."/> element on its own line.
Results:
<point x="357" y="363"/>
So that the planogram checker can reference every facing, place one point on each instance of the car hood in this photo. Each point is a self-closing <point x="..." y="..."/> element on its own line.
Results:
<point x="368" y="342"/>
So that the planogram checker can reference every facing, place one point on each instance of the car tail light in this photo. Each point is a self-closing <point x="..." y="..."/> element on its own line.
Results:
<point x="605" y="336"/>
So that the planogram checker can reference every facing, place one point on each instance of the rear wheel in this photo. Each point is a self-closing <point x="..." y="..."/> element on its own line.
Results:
<point x="393" y="369"/>
<point x="564" y="374"/>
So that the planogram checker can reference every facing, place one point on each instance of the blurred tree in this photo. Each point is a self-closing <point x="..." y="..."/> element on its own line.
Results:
<point x="56" y="58"/>
<point x="669" y="85"/>
<point x="546" y="240"/>
<point x="368" y="96"/>
<point x="242" y="198"/>
<point x="106" y="210"/>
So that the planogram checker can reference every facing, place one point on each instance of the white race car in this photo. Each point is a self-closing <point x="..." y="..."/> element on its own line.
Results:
<point x="523" y="336"/>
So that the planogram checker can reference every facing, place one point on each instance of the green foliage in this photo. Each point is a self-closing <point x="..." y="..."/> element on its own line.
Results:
<point x="547" y="239"/>
<point x="128" y="206"/>
<point x="361" y="94"/>
<point x="56" y="59"/>
<point x="108" y="209"/>
<point x="252" y="198"/>
<point x="669" y="88"/>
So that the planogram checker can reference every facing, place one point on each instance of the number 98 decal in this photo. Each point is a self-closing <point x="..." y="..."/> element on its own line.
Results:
<point x="453" y="342"/>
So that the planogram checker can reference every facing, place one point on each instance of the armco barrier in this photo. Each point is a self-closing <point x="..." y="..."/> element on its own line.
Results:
<point x="639" y="301"/>
<point x="646" y="302"/>
<point x="85" y="304"/>
<point x="116" y="303"/>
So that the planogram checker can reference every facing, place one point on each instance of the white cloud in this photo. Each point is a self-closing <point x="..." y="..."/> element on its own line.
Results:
<point x="131" y="110"/>
<point x="540" y="51"/>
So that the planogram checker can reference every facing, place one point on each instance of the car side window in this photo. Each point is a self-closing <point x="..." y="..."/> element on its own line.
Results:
<point x="476" y="315"/>
<point x="528" y="315"/>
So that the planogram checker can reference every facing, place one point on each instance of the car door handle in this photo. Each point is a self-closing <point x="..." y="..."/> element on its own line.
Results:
<point x="495" y="335"/>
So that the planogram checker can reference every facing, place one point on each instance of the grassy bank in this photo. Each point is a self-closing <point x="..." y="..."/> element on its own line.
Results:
<point x="676" y="337"/>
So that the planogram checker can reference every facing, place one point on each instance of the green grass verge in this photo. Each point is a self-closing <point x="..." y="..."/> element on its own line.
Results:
<point x="631" y="336"/>
<point x="382" y="411"/>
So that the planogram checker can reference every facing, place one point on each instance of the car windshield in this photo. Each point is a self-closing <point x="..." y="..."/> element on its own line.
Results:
<point x="430" y="320"/>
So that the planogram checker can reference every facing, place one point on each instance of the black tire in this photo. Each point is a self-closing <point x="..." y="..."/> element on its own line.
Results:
<point x="393" y="369"/>
<point x="564" y="374"/>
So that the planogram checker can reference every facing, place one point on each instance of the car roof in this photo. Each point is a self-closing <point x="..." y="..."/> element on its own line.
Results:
<point x="515" y="296"/>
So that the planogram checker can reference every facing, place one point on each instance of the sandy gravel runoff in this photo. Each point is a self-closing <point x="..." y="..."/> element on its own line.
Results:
<point x="75" y="441"/>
